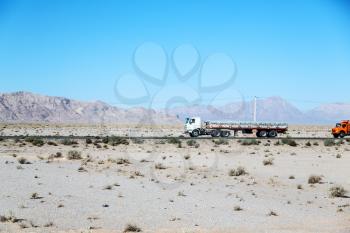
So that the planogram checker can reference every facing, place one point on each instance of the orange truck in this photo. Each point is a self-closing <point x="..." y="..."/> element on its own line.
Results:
<point x="341" y="129"/>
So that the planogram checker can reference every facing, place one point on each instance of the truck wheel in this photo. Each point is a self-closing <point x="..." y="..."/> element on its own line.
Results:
<point x="225" y="134"/>
<point x="263" y="133"/>
<point x="215" y="133"/>
<point x="336" y="135"/>
<point x="195" y="133"/>
<point x="258" y="134"/>
<point x="272" y="134"/>
<point x="342" y="135"/>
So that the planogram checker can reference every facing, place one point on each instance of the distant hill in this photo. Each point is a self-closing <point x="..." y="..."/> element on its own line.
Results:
<point x="27" y="107"/>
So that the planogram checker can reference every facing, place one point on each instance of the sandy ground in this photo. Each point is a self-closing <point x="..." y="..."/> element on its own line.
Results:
<point x="161" y="187"/>
<point x="136" y="130"/>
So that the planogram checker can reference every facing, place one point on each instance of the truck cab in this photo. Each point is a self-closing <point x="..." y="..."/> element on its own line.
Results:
<point x="192" y="125"/>
<point x="341" y="129"/>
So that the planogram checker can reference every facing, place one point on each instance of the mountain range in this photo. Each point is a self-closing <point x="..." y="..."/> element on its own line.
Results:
<point x="26" y="107"/>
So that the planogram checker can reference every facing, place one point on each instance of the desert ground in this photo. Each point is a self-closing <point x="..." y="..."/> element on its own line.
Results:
<point x="176" y="185"/>
<point x="134" y="130"/>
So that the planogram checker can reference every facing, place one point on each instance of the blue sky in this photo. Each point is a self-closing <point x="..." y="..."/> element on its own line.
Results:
<point x="299" y="50"/>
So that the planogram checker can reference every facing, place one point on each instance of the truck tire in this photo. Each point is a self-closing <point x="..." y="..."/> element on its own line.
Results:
<point x="215" y="133"/>
<point x="336" y="135"/>
<point x="342" y="134"/>
<point x="272" y="134"/>
<point x="195" y="133"/>
<point x="225" y="134"/>
<point x="263" y="133"/>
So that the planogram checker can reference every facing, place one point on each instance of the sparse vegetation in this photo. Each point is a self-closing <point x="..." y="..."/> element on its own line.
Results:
<point x="35" y="196"/>
<point x="308" y="144"/>
<point x="122" y="161"/>
<point x="268" y="161"/>
<point x="35" y="141"/>
<point x="249" y="142"/>
<point x="74" y="155"/>
<point x="272" y="213"/>
<point x="23" y="160"/>
<point x="290" y="142"/>
<point x="159" y="166"/>
<point x="314" y="179"/>
<point x="138" y="141"/>
<point x="115" y="141"/>
<point x="192" y="142"/>
<point x="51" y="143"/>
<point x="221" y="141"/>
<point x="132" y="228"/>
<point x="173" y="141"/>
<point x="237" y="208"/>
<point x="337" y="191"/>
<point x="69" y="142"/>
<point x="239" y="171"/>
<point x="329" y="142"/>
<point x="88" y="141"/>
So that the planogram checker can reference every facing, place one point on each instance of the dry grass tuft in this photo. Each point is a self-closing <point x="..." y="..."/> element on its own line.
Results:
<point x="132" y="228"/>
<point x="337" y="191"/>
<point x="239" y="171"/>
<point x="314" y="179"/>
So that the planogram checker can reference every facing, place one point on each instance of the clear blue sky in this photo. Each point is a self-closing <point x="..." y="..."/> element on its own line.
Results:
<point x="299" y="50"/>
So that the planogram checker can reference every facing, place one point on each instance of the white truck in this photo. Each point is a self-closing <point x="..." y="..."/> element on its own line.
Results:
<point x="194" y="127"/>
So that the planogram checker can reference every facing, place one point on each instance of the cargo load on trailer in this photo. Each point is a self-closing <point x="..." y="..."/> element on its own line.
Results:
<point x="194" y="127"/>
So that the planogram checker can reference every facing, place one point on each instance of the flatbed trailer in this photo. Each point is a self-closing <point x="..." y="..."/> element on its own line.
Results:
<point x="195" y="128"/>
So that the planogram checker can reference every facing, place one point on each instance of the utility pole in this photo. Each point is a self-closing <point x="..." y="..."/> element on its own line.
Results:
<point x="254" y="109"/>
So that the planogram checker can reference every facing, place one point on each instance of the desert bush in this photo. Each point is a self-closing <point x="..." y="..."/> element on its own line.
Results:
<point x="329" y="142"/>
<point x="173" y="141"/>
<point x="88" y="141"/>
<point x="268" y="161"/>
<point x="308" y="144"/>
<point x="191" y="142"/>
<point x="10" y="218"/>
<point x="314" y="179"/>
<point x="68" y="142"/>
<point x="237" y="208"/>
<point x="115" y="141"/>
<point x="138" y="141"/>
<point x="272" y="213"/>
<point x="249" y="142"/>
<point x="23" y="160"/>
<point x="1" y="139"/>
<point x="35" y="141"/>
<point x="159" y="166"/>
<point x="74" y="155"/>
<point x="122" y="161"/>
<point x="290" y="142"/>
<point x="239" y="171"/>
<point x="221" y="141"/>
<point x="316" y="144"/>
<point x="337" y="191"/>
<point x="51" y="143"/>
<point x="132" y="228"/>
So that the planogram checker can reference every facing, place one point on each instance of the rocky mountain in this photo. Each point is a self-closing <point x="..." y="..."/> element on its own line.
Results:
<point x="29" y="108"/>
<point x="269" y="109"/>
<point x="329" y="113"/>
